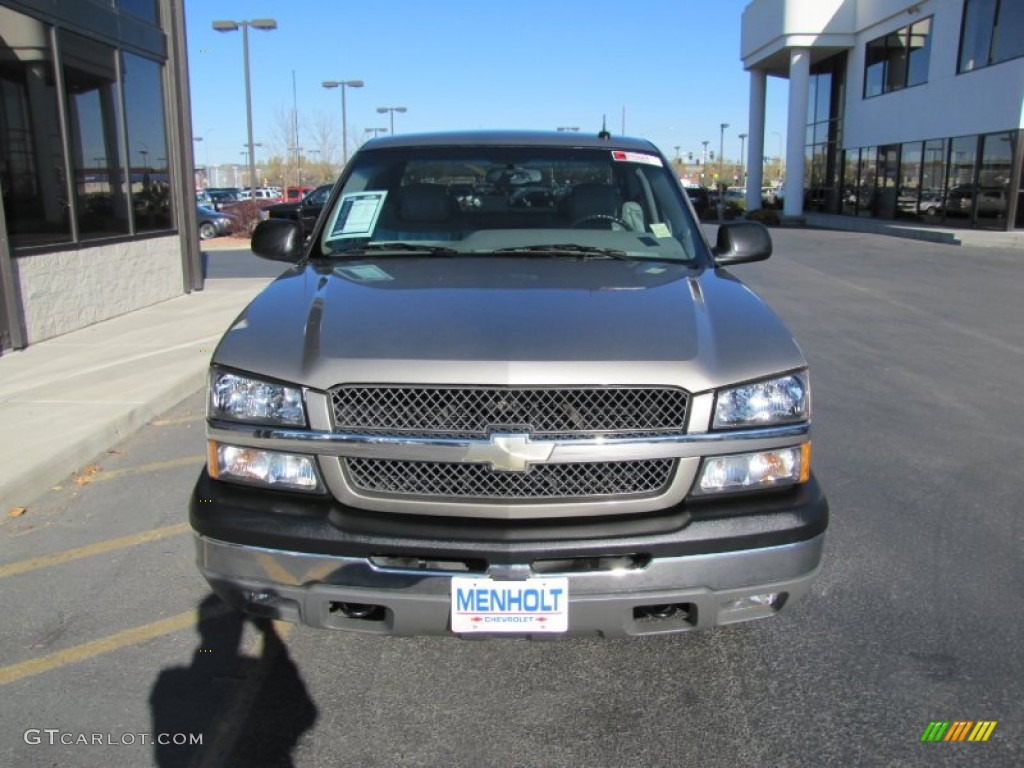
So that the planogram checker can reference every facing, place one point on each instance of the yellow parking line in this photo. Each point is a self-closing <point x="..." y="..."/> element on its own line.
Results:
<point x="115" y="642"/>
<point x="98" y="548"/>
<point x="142" y="469"/>
<point x="176" y="421"/>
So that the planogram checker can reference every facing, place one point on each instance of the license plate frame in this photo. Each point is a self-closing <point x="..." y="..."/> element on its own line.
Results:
<point x="485" y="605"/>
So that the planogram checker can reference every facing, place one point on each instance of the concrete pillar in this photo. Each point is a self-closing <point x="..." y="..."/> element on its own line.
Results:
<point x="796" y="129"/>
<point x="755" y="138"/>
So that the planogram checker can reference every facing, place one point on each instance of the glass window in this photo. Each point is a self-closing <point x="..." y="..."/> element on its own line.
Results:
<point x="866" y="191"/>
<point x="1009" y="32"/>
<point x="478" y="199"/>
<point x="895" y="61"/>
<point x="32" y="173"/>
<point x="963" y="153"/>
<point x="933" y="176"/>
<point x="90" y="79"/>
<point x="898" y="60"/>
<point x="910" y="180"/>
<point x="976" y="34"/>
<point x="144" y="9"/>
<point x="994" y="179"/>
<point x="919" y="52"/>
<point x="823" y="102"/>
<point x="874" y="69"/>
<point x="147" y="145"/>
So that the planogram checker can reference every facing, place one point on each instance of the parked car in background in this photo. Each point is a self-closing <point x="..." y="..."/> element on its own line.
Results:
<point x="213" y="223"/>
<point x="700" y="199"/>
<point x="295" y="194"/>
<point x="261" y="193"/>
<point x="218" y="197"/>
<point x="991" y="201"/>
<point x="305" y="210"/>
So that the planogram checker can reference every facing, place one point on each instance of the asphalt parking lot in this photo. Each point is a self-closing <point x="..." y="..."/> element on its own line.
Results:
<point x="916" y="353"/>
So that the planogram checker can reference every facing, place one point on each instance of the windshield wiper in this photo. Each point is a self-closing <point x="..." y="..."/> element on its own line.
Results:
<point x="397" y="249"/>
<point x="571" y="249"/>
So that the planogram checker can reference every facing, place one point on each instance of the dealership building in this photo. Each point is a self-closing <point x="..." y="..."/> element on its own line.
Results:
<point x="98" y="213"/>
<point x="896" y="110"/>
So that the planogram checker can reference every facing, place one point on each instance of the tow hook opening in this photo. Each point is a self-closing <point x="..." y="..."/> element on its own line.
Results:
<point x="675" y="611"/>
<point x="364" y="611"/>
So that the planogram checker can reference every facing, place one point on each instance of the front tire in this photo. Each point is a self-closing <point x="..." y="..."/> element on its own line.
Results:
<point x="207" y="231"/>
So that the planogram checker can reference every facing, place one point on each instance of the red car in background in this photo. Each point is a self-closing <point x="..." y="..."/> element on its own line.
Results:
<point x="295" y="194"/>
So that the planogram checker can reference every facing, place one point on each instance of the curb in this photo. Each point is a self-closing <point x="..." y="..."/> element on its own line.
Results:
<point x="21" y="490"/>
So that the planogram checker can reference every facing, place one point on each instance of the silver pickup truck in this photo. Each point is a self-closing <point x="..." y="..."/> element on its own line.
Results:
<point x="509" y="388"/>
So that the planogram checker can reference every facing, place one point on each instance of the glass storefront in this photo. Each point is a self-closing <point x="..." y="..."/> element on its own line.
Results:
<point x="147" y="144"/>
<point x="113" y="103"/>
<point x="90" y="76"/>
<point x="964" y="181"/>
<point x="32" y="168"/>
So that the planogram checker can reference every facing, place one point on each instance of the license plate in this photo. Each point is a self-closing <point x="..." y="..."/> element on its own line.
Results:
<point x="486" y="605"/>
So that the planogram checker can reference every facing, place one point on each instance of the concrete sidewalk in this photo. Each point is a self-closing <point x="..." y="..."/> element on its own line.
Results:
<point x="914" y="230"/>
<point x="65" y="400"/>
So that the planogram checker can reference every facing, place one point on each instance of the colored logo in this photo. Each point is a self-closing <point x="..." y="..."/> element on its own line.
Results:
<point x="959" y="730"/>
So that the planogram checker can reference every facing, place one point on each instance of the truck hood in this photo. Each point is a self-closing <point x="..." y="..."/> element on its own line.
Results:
<point x="508" y="321"/>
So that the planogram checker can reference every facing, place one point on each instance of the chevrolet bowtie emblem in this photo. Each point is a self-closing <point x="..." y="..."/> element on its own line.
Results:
<point x="509" y="453"/>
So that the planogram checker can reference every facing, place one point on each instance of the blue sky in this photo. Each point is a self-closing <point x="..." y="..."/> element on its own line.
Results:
<point x="673" y="65"/>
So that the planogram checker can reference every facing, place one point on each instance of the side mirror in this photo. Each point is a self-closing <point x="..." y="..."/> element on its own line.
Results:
<point x="740" y="242"/>
<point x="278" y="240"/>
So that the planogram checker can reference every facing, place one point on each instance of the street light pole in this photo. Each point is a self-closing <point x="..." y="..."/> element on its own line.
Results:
<point x="392" y="110"/>
<point x="721" y="148"/>
<point x="342" y="84"/>
<point x="743" y="161"/>
<point x="232" y="26"/>
<point x="704" y="158"/>
<point x="721" y="151"/>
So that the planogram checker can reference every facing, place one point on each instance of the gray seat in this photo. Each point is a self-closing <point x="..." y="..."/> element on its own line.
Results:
<point x="424" y="204"/>
<point x="593" y="200"/>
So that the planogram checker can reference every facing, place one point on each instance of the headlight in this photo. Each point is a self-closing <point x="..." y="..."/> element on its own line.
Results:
<point x="240" y="398"/>
<point x="754" y="471"/>
<point x="782" y="400"/>
<point x="287" y="471"/>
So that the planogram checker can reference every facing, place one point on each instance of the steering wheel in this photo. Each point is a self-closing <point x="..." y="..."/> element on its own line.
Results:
<point x="600" y="217"/>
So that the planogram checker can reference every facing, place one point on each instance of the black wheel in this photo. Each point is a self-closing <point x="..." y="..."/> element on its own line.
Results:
<point x="600" y="217"/>
<point x="207" y="230"/>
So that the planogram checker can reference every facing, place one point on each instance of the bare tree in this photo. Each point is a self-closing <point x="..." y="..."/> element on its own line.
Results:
<point x="324" y="138"/>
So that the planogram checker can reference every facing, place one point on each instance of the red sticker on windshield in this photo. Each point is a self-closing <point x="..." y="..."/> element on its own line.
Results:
<point x="636" y="157"/>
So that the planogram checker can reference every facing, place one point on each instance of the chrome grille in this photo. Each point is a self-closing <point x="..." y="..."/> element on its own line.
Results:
<point x="541" y="482"/>
<point x="562" y="412"/>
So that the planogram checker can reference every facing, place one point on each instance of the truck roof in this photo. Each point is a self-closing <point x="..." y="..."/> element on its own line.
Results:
<point x="510" y="138"/>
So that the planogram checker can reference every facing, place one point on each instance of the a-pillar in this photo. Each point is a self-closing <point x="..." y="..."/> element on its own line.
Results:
<point x="755" y="136"/>
<point x="799" y="84"/>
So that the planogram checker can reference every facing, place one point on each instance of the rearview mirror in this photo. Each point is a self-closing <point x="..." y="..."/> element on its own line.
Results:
<point x="741" y="242"/>
<point x="278" y="240"/>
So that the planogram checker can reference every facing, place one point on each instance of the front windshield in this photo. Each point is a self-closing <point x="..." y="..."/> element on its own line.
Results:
<point x="484" y="199"/>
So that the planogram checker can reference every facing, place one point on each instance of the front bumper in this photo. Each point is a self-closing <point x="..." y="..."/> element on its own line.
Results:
<point x="309" y="560"/>
<point x="694" y="592"/>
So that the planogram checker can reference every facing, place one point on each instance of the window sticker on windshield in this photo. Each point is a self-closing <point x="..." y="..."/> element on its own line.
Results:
<point x="357" y="214"/>
<point x="636" y="157"/>
<point x="658" y="229"/>
<point x="363" y="272"/>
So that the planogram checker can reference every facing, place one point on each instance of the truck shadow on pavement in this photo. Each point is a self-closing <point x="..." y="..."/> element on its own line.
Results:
<point x="248" y="711"/>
